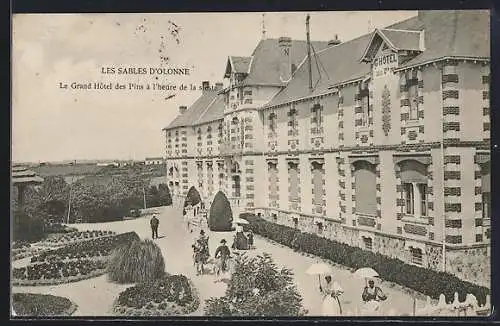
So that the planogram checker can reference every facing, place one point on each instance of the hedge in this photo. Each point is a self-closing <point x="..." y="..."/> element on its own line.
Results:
<point x="423" y="280"/>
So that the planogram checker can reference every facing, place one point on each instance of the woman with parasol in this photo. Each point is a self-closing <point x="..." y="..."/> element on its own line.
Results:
<point x="372" y="294"/>
<point x="331" y="291"/>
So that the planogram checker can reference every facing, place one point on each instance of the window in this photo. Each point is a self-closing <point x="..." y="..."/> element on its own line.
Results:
<point x="275" y="218"/>
<point x="240" y="94"/>
<point x="295" y="222"/>
<point x="365" y="105"/>
<point x="293" y="123"/>
<point x="365" y="179"/>
<point x="414" y="181"/>
<point x="413" y="95"/>
<point x="293" y="181"/>
<point x="422" y="187"/>
<point x="368" y="243"/>
<point x="317" y="111"/>
<point x="320" y="228"/>
<point x="416" y="256"/>
<point x="318" y="177"/>
<point x="415" y="203"/>
<point x="272" y="122"/>
<point x="486" y="204"/>
<point x="486" y="189"/>
<point x="409" y="198"/>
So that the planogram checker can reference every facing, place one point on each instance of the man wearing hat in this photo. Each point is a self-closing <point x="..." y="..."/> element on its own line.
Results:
<point x="154" y="226"/>
<point x="223" y="253"/>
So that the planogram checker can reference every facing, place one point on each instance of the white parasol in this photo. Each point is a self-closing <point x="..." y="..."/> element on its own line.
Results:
<point x="319" y="269"/>
<point x="366" y="273"/>
<point x="240" y="221"/>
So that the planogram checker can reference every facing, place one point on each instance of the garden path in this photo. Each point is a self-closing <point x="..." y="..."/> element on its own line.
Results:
<point x="94" y="297"/>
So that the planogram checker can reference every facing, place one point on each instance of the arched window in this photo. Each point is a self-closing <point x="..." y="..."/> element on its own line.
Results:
<point x="366" y="188"/>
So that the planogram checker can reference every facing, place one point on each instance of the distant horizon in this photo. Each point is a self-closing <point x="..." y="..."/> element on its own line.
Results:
<point x="81" y="161"/>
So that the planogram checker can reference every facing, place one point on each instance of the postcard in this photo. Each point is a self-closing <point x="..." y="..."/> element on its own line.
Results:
<point x="260" y="164"/>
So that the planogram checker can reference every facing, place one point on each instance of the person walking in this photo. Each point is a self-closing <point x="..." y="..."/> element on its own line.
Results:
<point x="223" y="254"/>
<point x="154" y="223"/>
<point x="250" y="239"/>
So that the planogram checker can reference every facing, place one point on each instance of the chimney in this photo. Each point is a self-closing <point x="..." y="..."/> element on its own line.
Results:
<point x="182" y="109"/>
<point x="285" y="63"/>
<point x="335" y="41"/>
<point x="205" y="86"/>
<point x="219" y="86"/>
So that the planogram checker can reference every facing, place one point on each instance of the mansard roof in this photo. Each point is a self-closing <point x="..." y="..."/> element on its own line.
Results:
<point x="450" y="33"/>
<point x="263" y="66"/>
<point x="196" y="110"/>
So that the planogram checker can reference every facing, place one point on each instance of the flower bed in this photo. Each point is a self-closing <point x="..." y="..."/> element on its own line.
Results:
<point x="425" y="281"/>
<point x="169" y="296"/>
<point x="66" y="238"/>
<point x="74" y="262"/>
<point x="26" y="252"/>
<point x="58" y="272"/>
<point x="31" y="304"/>
<point x="98" y="247"/>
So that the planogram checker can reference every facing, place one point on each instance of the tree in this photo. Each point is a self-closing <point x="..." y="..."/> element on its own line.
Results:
<point x="193" y="197"/>
<point x="221" y="215"/>
<point x="258" y="288"/>
<point x="166" y="198"/>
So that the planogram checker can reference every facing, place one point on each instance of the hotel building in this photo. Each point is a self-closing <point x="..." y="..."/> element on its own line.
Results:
<point x="381" y="142"/>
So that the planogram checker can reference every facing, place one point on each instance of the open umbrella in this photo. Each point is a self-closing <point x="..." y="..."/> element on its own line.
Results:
<point x="240" y="221"/>
<point x="319" y="269"/>
<point x="366" y="272"/>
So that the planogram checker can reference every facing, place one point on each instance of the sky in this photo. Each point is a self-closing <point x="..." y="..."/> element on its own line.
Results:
<point x="50" y="123"/>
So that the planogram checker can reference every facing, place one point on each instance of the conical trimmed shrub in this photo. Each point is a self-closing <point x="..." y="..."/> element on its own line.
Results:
<point x="193" y="197"/>
<point x="221" y="215"/>
<point x="136" y="262"/>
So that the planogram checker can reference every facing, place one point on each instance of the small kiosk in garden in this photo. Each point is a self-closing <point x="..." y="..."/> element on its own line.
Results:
<point x="22" y="178"/>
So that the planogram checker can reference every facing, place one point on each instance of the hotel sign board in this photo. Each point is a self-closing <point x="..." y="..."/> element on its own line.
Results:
<point x="384" y="64"/>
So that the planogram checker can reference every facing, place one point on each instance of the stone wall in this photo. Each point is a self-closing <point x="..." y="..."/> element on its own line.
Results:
<point x="473" y="265"/>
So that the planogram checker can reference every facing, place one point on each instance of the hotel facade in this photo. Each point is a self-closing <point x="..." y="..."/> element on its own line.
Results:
<point x="381" y="142"/>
